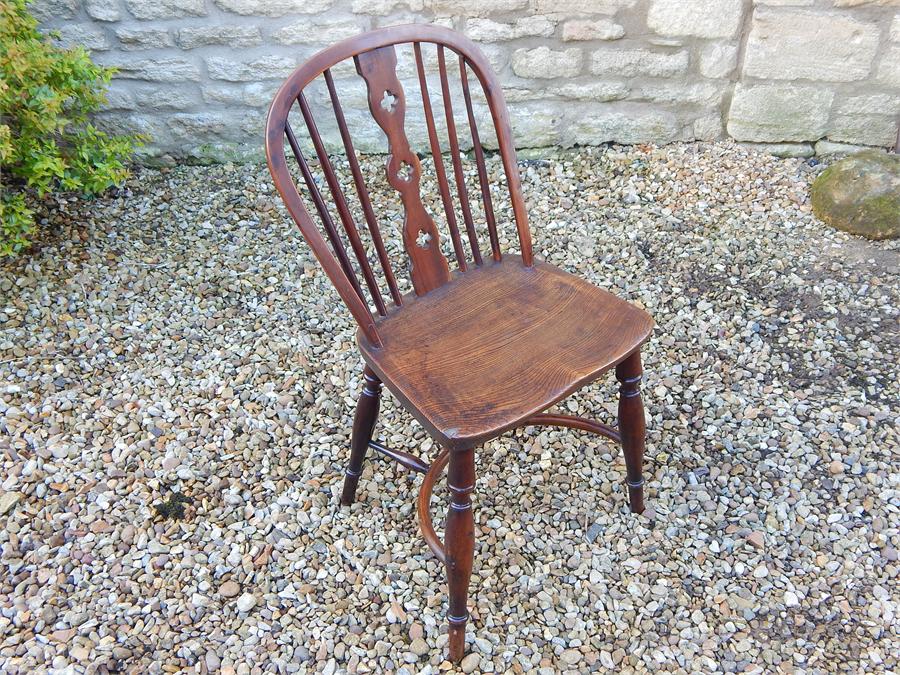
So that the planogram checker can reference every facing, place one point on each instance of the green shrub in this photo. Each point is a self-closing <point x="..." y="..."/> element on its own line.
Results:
<point x="46" y="141"/>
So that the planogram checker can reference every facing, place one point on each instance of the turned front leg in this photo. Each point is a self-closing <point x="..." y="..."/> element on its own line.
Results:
<point x="632" y="427"/>
<point x="363" y="426"/>
<point x="459" y="545"/>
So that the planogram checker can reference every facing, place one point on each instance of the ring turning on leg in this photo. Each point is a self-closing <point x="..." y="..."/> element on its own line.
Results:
<point x="632" y="427"/>
<point x="459" y="545"/>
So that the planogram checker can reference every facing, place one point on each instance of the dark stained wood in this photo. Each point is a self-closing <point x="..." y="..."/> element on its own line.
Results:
<point x="343" y="210"/>
<point x="361" y="436"/>
<point x="458" y="173"/>
<point x="438" y="159"/>
<point x="411" y="462"/>
<point x="483" y="181"/>
<point x="574" y="423"/>
<point x="457" y="357"/>
<point x="631" y="426"/>
<point x="459" y="545"/>
<point x="387" y="103"/>
<point x="361" y="191"/>
<point x="474" y="352"/>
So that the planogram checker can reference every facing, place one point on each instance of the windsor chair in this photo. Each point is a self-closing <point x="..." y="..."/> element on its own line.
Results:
<point x="471" y="352"/>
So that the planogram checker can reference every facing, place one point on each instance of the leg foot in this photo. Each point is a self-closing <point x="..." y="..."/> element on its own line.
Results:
<point x="459" y="545"/>
<point x="632" y="427"/>
<point x="363" y="426"/>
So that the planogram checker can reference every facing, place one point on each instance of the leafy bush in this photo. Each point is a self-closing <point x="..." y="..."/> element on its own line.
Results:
<point x="46" y="140"/>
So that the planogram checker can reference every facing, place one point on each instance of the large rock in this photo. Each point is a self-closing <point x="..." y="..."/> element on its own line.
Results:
<point x="861" y="195"/>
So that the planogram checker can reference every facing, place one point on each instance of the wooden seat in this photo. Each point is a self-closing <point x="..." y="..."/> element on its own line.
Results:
<point x="499" y="344"/>
<point x="480" y="346"/>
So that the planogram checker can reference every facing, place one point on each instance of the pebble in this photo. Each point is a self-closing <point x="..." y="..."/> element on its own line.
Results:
<point x="419" y="647"/>
<point x="175" y="336"/>
<point x="7" y="501"/>
<point x="246" y="602"/>
<point x="757" y="539"/>
<point x="470" y="662"/>
<point x="230" y="589"/>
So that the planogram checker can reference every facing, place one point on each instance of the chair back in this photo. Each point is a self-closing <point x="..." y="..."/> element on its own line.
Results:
<point x="375" y="57"/>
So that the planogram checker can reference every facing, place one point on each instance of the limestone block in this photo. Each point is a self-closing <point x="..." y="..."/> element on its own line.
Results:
<point x="475" y="8"/>
<point x="634" y="62"/>
<point x="103" y="10"/>
<point x="718" y="59"/>
<point x="84" y="35"/>
<point x="864" y="129"/>
<point x="546" y="63"/>
<point x="232" y="36"/>
<point x="638" y="125"/>
<point x="591" y="91"/>
<point x="152" y="70"/>
<point x="889" y="68"/>
<point x="488" y="30"/>
<point x="792" y="45"/>
<point x="779" y="112"/>
<point x="581" y="6"/>
<point x="700" y="18"/>
<point x="249" y="70"/>
<point x="871" y="104"/>
<point x="323" y="32"/>
<point x="272" y="7"/>
<point x="867" y="3"/>
<point x="708" y="128"/>
<point x="50" y="10"/>
<point x="591" y="29"/>
<point x="143" y="38"/>
<point x="255" y="94"/>
<point x="783" y="149"/>
<point x="165" y="9"/>
<point x="831" y="148"/>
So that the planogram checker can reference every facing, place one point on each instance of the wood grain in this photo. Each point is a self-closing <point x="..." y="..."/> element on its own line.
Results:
<point x="498" y="344"/>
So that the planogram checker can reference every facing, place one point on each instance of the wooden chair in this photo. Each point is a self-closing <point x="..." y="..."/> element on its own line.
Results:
<point x="474" y="351"/>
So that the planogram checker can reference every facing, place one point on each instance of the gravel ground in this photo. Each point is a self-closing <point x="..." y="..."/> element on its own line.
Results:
<point x="174" y="346"/>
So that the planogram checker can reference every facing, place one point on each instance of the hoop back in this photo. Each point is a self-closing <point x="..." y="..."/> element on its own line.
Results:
<point x="375" y="58"/>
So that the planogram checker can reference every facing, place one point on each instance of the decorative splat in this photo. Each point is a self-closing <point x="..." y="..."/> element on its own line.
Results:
<point x="387" y="103"/>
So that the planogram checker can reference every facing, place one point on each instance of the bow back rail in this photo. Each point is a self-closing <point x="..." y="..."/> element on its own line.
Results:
<point x="344" y="245"/>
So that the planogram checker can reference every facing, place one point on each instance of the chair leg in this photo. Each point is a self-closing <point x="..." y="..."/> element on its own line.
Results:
<point x="363" y="426"/>
<point x="632" y="427"/>
<point x="459" y="545"/>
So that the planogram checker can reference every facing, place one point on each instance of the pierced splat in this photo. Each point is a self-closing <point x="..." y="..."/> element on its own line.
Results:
<point x="387" y="103"/>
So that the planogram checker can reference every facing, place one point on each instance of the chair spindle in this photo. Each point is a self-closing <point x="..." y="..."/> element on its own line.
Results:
<point x="479" y="160"/>
<point x="341" y="202"/>
<point x="457" y="162"/>
<point x="337" y="244"/>
<point x="361" y="190"/>
<point x="438" y="159"/>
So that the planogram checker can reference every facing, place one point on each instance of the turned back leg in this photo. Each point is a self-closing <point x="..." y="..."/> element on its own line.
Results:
<point x="363" y="426"/>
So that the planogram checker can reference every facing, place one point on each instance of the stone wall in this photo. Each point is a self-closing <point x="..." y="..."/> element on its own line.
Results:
<point x="798" y="76"/>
